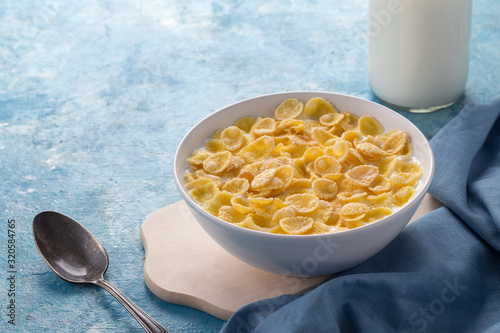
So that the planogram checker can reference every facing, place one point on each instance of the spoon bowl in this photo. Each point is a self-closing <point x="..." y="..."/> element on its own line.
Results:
<point x="76" y="256"/>
<point x="69" y="249"/>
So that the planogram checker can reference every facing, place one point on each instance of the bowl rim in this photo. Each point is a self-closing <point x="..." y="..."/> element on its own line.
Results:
<point x="364" y="228"/>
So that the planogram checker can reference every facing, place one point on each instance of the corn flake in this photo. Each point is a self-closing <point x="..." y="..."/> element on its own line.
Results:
<point x="321" y="136"/>
<point x="204" y="192"/>
<point x="370" y="151"/>
<point x="231" y="215"/>
<point x="403" y="195"/>
<point x="331" y="119"/>
<point x="236" y="185"/>
<point x="245" y="123"/>
<point x="302" y="203"/>
<point x="241" y="205"/>
<point x="288" y="109"/>
<point x="258" y="150"/>
<point x="324" y="188"/>
<point x="346" y="197"/>
<point x="264" y="126"/>
<point x="354" y="209"/>
<point x="232" y="138"/>
<point x="198" y="157"/>
<point x="395" y="143"/>
<point x="362" y="175"/>
<point x="370" y="126"/>
<point x="380" y="184"/>
<point x="322" y="213"/>
<point x="216" y="163"/>
<point x="318" y="107"/>
<point x="377" y="213"/>
<point x="296" y="225"/>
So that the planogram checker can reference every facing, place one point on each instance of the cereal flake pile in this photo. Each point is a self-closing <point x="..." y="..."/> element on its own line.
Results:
<point x="308" y="170"/>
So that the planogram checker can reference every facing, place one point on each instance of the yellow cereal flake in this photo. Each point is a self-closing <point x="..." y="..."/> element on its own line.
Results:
<point x="331" y="119"/>
<point x="264" y="126"/>
<point x="214" y="145"/>
<point x="377" y="213"/>
<point x="301" y="183"/>
<point x="283" y="213"/>
<point x="245" y="123"/>
<point x="249" y="171"/>
<point x="264" y="222"/>
<point x="231" y="215"/>
<point x="410" y="166"/>
<point x="302" y="203"/>
<point x="293" y="150"/>
<point x="355" y="222"/>
<point x="308" y="170"/>
<point x="221" y="198"/>
<point x="322" y="213"/>
<point x="201" y="174"/>
<point x="216" y="163"/>
<point x="380" y="200"/>
<point x="401" y="179"/>
<point x="296" y="225"/>
<point x="354" y="209"/>
<point x="369" y="126"/>
<point x="362" y="175"/>
<point x="266" y="181"/>
<point x="346" y="197"/>
<point x="346" y="185"/>
<point x="317" y="107"/>
<point x="321" y="136"/>
<point x="258" y="150"/>
<point x="387" y="165"/>
<point x="198" y="183"/>
<point x="285" y="174"/>
<point x="241" y="204"/>
<point x="325" y="188"/>
<point x="261" y="201"/>
<point x="339" y="150"/>
<point x="370" y="151"/>
<point x="288" y="109"/>
<point x="349" y="122"/>
<point x="354" y="157"/>
<point x="403" y="195"/>
<point x="334" y="176"/>
<point x="380" y="184"/>
<point x="291" y="126"/>
<point x="236" y="185"/>
<point x="189" y="176"/>
<point x="232" y="138"/>
<point x="350" y="136"/>
<point x="311" y="154"/>
<point x="198" y="157"/>
<point x="395" y="143"/>
<point x="326" y="165"/>
<point x="204" y="192"/>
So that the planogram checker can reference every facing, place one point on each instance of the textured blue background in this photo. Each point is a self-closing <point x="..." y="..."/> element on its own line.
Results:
<point x="95" y="96"/>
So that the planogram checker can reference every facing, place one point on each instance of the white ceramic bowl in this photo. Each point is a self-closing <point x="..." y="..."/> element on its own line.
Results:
<point x="304" y="255"/>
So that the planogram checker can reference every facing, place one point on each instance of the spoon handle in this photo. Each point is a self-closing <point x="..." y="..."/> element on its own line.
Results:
<point x="149" y="324"/>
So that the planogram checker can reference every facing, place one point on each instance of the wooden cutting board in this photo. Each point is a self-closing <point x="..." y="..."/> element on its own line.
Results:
<point x="185" y="266"/>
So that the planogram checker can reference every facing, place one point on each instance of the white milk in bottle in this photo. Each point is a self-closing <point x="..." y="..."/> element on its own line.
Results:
<point x="419" y="52"/>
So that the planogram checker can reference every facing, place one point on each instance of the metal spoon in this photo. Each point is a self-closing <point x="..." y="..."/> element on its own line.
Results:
<point x="76" y="256"/>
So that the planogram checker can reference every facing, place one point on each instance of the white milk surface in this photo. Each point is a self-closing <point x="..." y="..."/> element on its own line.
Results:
<point x="419" y="51"/>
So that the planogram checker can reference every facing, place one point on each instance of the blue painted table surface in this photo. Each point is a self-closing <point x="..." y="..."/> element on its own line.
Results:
<point x="96" y="95"/>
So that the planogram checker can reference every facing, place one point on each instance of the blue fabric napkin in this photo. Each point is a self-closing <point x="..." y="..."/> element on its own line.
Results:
<point x="441" y="274"/>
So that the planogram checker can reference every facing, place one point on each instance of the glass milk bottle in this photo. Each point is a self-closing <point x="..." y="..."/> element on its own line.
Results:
<point x="419" y="52"/>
